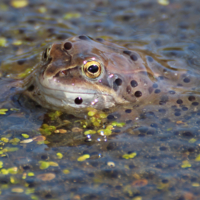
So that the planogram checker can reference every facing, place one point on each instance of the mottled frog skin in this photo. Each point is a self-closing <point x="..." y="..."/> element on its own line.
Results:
<point x="82" y="72"/>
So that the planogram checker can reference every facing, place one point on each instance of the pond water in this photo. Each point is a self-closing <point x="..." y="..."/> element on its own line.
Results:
<point x="52" y="155"/>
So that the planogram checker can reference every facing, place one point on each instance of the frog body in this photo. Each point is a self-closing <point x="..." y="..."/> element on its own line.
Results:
<point x="82" y="72"/>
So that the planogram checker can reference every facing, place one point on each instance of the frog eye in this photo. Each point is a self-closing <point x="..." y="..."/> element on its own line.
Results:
<point x="92" y="69"/>
<point x="45" y="54"/>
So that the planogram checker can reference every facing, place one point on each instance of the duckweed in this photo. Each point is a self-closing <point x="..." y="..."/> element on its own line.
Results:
<point x="43" y="164"/>
<point x="30" y="190"/>
<point x="17" y="42"/>
<point x="88" y="132"/>
<point x="53" y="164"/>
<point x="19" y="3"/>
<point x="118" y="124"/>
<point x="192" y="140"/>
<point x="66" y="171"/>
<point x="71" y="15"/>
<point x="25" y="135"/>
<point x="60" y="155"/>
<point x="1" y="164"/>
<point x="3" y="42"/>
<point x="14" y="141"/>
<point x="54" y="115"/>
<point x="106" y="132"/>
<point x="42" y="9"/>
<point x="195" y="184"/>
<point x="4" y="139"/>
<point x="30" y="174"/>
<point x="34" y="197"/>
<point x="83" y="157"/>
<point x="137" y="198"/>
<point x="129" y="156"/>
<point x="186" y="164"/>
<point x="197" y="158"/>
<point x="3" y="111"/>
<point x="46" y="129"/>
<point x="10" y="149"/>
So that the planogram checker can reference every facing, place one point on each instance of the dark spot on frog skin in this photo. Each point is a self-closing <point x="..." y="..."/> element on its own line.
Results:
<point x="67" y="45"/>
<point x="191" y="98"/>
<point x="178" y="113"/>
<point x="128" y="111"/>
<point x="171" y="92"/>
<point x="150" y="90"/>
<point x="161" y="77"/>
<point x="138" y="93"/>
<point x="184" y="108"/>
<point x="150" y="59"/>
<point x="157" y="91"/>
<point x="186" y="80"/>
<point x="78" y="100"/>
<point x="164" y="98"/>
<point x="195" y="103"/>
<point x="179" y="101"/>
<point x="133" y="57"/>
<point x="134" y="83"/>
<point x="83" y="37"/>
<point x="127" y="52"/>
<point x="155" y="85"/>
<point x="100" y="39"/>
<point x="110" y="117"/>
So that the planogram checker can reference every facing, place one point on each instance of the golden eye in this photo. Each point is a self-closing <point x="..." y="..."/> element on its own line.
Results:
<point x="92" y="69"/>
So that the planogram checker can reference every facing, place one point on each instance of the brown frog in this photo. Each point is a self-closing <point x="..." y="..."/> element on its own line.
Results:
<point x="82" y="72"/>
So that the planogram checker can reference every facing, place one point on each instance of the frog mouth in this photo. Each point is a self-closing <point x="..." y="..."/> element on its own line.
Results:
<point x="55" y="93"/>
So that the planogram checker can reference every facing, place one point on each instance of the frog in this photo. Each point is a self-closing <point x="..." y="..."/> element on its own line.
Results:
<point x="81" y="72"/>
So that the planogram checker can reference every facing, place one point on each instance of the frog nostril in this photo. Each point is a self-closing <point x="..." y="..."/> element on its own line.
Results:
<point x="78" y="100"/>
<point x="67" y="46"/>
<point x="118" y="81"/>
<point x="31" y="88"/>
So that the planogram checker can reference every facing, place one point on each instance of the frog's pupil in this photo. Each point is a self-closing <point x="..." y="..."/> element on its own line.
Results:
<point x="93" y="68"/>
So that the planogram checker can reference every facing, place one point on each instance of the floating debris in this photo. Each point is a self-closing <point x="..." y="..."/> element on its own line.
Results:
<point x="46" y="177"/>
<point x="163" y="2"/>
